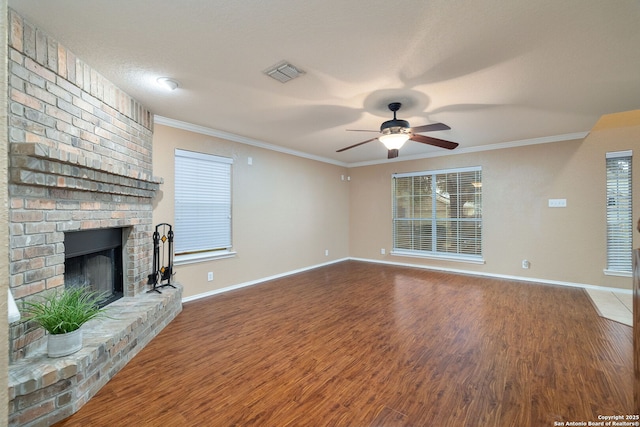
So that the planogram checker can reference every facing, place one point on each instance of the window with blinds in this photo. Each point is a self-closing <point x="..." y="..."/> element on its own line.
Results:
<point x="202" y="202"/>
<point x="438" y="213"/>
<point x="619" y="213"/>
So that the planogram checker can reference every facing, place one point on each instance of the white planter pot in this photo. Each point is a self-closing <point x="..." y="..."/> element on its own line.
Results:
<point x="64" y="344"/>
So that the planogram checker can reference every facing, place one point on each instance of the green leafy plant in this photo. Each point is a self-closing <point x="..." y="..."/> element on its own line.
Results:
<point x="64" y="311"/>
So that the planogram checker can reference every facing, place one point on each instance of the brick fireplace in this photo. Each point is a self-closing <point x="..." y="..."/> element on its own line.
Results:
<point x="80" y="159"/>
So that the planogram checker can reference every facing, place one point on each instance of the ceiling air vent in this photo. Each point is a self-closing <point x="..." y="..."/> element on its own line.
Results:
<point x="283" y="72"/>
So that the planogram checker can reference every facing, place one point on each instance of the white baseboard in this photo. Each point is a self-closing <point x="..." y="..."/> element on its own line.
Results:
<point x="405" y="264"/>
<point x="257" y="281"/>
<point x="498" y="276"/>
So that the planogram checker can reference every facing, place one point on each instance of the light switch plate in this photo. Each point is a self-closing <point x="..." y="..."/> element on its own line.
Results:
<point x="557" y="203"/>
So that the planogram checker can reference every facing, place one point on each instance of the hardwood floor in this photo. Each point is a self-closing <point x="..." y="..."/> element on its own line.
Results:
<point x="359" y="344"/>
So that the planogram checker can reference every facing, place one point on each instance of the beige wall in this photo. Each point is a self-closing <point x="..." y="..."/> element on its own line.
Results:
<point x="286" y="210"/>
<point x="562" y="244"/>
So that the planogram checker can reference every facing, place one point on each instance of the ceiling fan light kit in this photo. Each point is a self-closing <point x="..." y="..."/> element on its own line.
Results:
<point x="394" y="140"/>
<point x="396" y="132"/>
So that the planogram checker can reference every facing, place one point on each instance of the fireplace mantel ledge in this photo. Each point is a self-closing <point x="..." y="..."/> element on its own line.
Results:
<point x="40" y="165"/>
<point x="75" y="157"/>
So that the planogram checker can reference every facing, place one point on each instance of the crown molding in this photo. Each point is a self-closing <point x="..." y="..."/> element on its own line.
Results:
<point x="479" y="148"/>
<point x="261" y="144"/>
<point x="241" y="139"/>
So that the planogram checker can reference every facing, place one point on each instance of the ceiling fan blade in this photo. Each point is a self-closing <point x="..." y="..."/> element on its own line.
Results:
<point x="430" y="128"/>
<point x="393" y="153"/>
<point x="355" y="145"/>
<point x="434" y="141"/>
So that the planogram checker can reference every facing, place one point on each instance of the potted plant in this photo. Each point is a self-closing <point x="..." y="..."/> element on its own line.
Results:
<point x="61" y="314"/>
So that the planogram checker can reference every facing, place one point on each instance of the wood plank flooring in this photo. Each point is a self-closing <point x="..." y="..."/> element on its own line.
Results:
<point x="361" y="344"/>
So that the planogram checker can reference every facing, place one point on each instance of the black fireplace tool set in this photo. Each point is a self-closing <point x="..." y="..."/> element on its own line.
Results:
<point x="162" y="258"/>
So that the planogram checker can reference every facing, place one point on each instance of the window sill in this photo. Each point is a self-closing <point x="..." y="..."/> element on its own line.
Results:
<point x="617" y="273"/>
<point x="202" y="257"/>
<point x="462" y="258"/>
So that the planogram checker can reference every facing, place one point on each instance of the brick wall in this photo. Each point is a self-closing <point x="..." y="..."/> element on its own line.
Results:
<point x="80" y="158"/>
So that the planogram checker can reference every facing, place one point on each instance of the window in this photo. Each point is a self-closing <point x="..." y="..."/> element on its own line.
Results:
<point x="438" y="213"/>
<point x="202" y="203"/>
<point x="619" y="214"/>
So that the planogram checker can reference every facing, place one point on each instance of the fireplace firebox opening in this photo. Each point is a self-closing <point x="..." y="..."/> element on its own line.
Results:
<point x="93" y="260"/>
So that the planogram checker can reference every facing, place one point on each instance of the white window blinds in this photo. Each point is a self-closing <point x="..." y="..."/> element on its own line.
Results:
<point x="202" y="202"/>
<point x="619" y="212"/>
<point x="438" y="213"/>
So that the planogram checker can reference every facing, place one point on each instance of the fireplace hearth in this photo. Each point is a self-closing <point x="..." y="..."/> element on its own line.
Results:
<point x="93" y="260"/>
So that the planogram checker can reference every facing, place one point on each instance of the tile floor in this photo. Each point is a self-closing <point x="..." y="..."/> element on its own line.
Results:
<point x="617" y="306"/>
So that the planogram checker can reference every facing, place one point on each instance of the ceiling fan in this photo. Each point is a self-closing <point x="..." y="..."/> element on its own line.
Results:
<point x="396" y="132"/>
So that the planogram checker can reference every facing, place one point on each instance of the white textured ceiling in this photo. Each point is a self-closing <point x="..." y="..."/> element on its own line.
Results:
<point x="495" y="71"/>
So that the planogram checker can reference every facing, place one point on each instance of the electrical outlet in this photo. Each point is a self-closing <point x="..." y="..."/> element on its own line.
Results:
<point x="326" y="252"/>
<point x="525" y="263"/>
<point x="210" y="276"/>
<point x="382" y="251"/>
